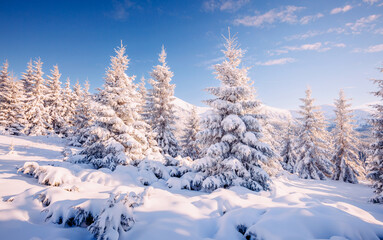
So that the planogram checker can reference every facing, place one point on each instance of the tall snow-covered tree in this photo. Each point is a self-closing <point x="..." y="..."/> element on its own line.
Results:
<point x="190" y="144"/>
<point x="36" y="113"/>
<point x="232" y="132"/>
<point x="54" y="100"/>
<point x="5" y="81"/>
<point x="161" y="115"/>
<point x="118" y="135"/>
<point x="375" y="167"/>
<point x="288" y="154"/>
<point x="69" y="108"/>
<point x="143" y="96"/>
<point x="313" y="141"/>
<point x="16" y="118"/>
<point x="345" y="158"/>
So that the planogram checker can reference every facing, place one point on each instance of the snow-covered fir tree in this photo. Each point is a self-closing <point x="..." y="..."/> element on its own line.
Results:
<point x="375" y="167"/>
<point x="54" y="100"/>
<point x="36" y="114"/>
<point x="232" y="132"/>
<point x="345" y="158"/>
<point x="5" y="80"/>
<point x="118" y="135"/>
<point x="83" y="118"/>
<point x="27" y="82"/>
<point x="288" y="154"/>
<point x="69" y="108"/>
<point x="16" y="118"/>
<point x="143" y="96"/>
<point x="313" y="142"/>
<point x="190" y="144"/>
<point x="161" y="115"/>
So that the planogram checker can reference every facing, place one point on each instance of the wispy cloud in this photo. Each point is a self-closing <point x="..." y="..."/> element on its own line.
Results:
<point x="121" y="9"/>
<point x="371" y="1"/>
<point x="370" y="49"/>
<point x="280" y="61"/>
<point x="341" y="9"/>
<point x="310" y="18"/>
<point x="285" y="15"/>
<point x="363" y="23"/>
<point x="318" y="47"/>
<point x="210" y="62"/>
<point x="379" y="31"/>
<point x="223" y="5"/>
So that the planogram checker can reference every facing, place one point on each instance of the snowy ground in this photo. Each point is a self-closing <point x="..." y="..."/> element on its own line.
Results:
<point x="294" y="209"/>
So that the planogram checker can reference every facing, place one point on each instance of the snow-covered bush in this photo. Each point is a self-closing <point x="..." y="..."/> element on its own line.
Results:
<point x="49" y="175"/>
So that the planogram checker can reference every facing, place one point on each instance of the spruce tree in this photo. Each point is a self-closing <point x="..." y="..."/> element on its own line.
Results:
<point x="16" y="118"/>
<point x="161" y="116"/>
<point x="288" y="154"/>
<point x="375" y="167"/>
<point x="118" y="135"/>
<point x="346" y="151"/>
<point x="5" y="82"/>
<point x="36" y="113"/>
<point x="313" y="142"/>
<point x="54" y="101"/>
<point x="190" y="144"/>
<point x="69" y="108"/>
<point x="232" y="132"/>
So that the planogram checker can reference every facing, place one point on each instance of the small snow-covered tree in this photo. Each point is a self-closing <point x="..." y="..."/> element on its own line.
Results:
<point x="232" y="132"/>
<point x="54" y="100"/>
<point x="161" y="115"/>
<point x="288" y="154"/>
<point x="36" y="113"/>
<point x="190" y="142"/>
<point x="346" y="151"/>
<point x="313" y="142"/>
<point x="5" y="81"/>
<point x="118" y="135"/>
<point x="375" y="167"/>
<point x="84" y="117"/>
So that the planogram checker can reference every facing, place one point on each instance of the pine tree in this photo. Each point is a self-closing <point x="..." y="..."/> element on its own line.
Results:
<point x="232" y="132"/>
<point x="5" y="82"/>
<point x="143" y="97"/>
<point x="54" y="101"/>
<point x="375" y="168"/>
<point x="69" y="108"/>
<point x="118" y="135"/>
<point x="312" y="162"/>
<point x="190" y="142"/>
<point x="16" y="118"/>
<point x="288" y="154"/>
<point x="36" y="113"/>
<point x="161" y="114"/>
<point x="346" y="151"/>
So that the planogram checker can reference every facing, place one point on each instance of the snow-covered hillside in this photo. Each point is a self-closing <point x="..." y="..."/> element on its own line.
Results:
<point x="65" y="198"/>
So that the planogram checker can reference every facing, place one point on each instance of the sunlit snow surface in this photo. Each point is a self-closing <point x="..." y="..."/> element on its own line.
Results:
<point x="294" y="209"/>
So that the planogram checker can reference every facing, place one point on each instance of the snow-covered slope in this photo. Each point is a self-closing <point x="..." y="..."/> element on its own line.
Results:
<point x="73" y="195"/>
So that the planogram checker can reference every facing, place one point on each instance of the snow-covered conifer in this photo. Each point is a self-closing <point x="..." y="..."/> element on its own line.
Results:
<point x="375" y="168"/>
<point x="118" y="135"/>
<point x="288" y="154"/>
<point x="36" y="113"/>
<point x="161" y="115"/>
<point x="190" y="142"/>
<point x="5" y="81"/>
<point x="143" y="96"/>
<point x="69" y="108"/>
<point x="232" y="132"/>
<point x="345" y="158"/>
<point x="54" y="100"/>
<point x="313" y="142"/>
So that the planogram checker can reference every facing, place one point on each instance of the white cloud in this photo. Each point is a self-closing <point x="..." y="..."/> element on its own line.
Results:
<point x="310" y="18"/>
<point x="371" y="1"/>
<point x="285" y="15"/>
<point x="340" y="45"/>
<point x="303" y="36"/>
<point x="341" y="9"/>
<point x="310" y="47"/>
<point x="223" y="5"/>
<point x="318" y="47"/>
<point x="280" y="61"/>
<point x="121" y="9"/>
<point x="379" y="31"/>
<point x="370" y="49"/>
<point x="363" y="23"/>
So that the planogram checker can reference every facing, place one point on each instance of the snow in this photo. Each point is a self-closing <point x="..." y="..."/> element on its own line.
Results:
<point x="294" y="208"/>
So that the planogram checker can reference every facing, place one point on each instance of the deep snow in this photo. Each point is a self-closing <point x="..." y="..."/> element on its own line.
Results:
<point x="294" y="209"/>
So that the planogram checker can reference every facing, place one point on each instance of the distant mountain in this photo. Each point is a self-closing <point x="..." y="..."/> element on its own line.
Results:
<point x="277" y="116"/>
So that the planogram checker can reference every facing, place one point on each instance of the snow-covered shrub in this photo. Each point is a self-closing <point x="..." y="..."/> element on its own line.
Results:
<point x="49" y="175"/>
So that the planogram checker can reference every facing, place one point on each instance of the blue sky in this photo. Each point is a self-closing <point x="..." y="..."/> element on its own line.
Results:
<point x="326" y="44"/>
